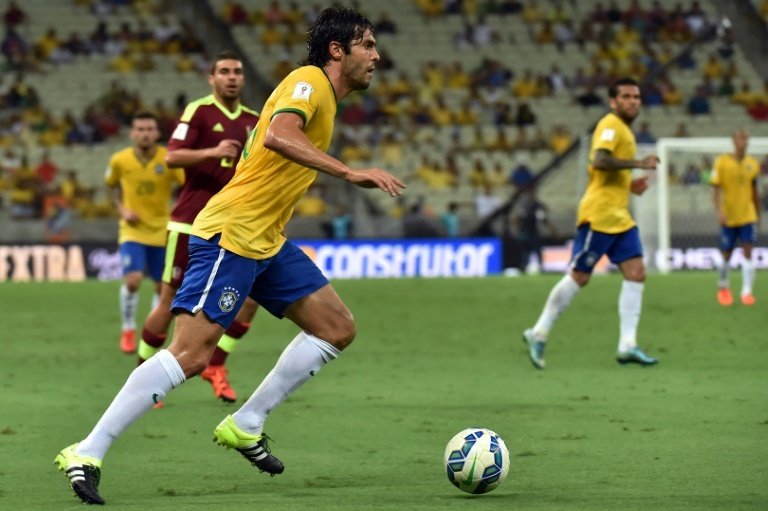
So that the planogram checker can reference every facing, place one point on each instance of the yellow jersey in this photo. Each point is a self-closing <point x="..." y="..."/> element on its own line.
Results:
<point x="147" y="189"/>
<point x="605" y="202"/>
<point x="252" y="209"/>
<point x="736" y="179"/>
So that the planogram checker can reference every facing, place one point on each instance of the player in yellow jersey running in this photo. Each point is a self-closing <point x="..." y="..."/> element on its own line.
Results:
<point x="736" y="201"/>
<point x="141" y="185"/>
<point x="605" y="227"/>
<point x="237" y="249"/>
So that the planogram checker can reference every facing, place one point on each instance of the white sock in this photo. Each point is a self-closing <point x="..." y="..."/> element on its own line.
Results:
<point x="300" y="360"/>
<point x="723" y="280"/>
<point x="748" y="276"/>
<point x="155" y="300"/>
<point x="147" y="384"/>
<point x="128" y="304"/>
<point x="630" y="304"/>
<point x="559" y="299"/>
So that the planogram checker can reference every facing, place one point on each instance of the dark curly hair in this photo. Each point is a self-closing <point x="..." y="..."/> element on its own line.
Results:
<point x="339" y="24"/>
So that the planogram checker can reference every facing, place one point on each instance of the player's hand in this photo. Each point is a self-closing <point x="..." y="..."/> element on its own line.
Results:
<point x="377" y="178"/>
<point x="129" y="216"/>
<point x="227" y="148"/>
<point x="650" y="162"/>
<point x="721" y="218"/>
<point x="639" y="185"/>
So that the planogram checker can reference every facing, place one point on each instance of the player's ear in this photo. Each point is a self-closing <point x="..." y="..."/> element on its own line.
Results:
<point x="336" y="50"/>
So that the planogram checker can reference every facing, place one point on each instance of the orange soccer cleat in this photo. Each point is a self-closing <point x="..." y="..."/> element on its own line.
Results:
<point x="128" y="341"/>
<point x="748" y="299"/>
<point x="724" y="296"/>
<point x="217" y="375"/>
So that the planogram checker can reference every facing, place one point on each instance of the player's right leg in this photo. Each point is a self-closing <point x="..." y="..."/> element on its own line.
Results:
<point x="587" y="249"/>
<point x="133" y="258"/>
<point x="216" y="372"/>
<point x="727" y="244"/>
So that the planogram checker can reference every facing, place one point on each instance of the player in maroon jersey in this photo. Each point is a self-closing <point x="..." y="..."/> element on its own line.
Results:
<point x="207" y="143"/>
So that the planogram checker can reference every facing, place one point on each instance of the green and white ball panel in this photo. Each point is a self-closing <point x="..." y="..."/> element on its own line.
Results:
<point x="476" y="460"/>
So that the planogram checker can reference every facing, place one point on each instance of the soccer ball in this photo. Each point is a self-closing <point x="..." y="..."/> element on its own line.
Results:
<point x="477" y="460"/>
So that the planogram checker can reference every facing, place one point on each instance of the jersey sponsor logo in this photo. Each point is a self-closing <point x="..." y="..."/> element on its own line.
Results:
<point x="302" y="91"/>
<point x="608" y="135"/>
<point x="228" y="299"/>
<point x="180" y="133"/>
<point x="159" y="168"/>
<point x="218" y="127"/>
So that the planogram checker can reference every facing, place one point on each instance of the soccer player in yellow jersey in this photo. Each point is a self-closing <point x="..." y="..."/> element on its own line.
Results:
<point x="734" y="194"/>
<point x="605" y="227"/>
<point x="237" y="249"/>
<point x="141" y="185"/>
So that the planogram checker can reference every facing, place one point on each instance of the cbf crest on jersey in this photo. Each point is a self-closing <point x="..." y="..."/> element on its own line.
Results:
<point x="228" y="299"/>
<point x="159" y="169"/>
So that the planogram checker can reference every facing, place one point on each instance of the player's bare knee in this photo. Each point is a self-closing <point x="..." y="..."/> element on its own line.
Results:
<point x="637" y="275"/>
<point x="341" y="334"/>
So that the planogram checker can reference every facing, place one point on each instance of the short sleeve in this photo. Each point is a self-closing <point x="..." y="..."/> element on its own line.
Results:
<point x="185" y="133"/>
<point x="301" y="93"/>
<point x="112" y="173"/>
<point x="607" y="136"/>
<point x="715" y="178"/>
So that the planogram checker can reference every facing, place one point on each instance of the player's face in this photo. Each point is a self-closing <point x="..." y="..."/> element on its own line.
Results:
<point x="144" y="133"/>
<point x="626" y="104"/>
<point x="361" y="61"/>
<point x="227" y="79"/>
<point x="740" y="140"/>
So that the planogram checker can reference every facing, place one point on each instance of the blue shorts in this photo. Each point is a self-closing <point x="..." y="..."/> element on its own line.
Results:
<point x="730" y="235"/>
<point x="217" y="280"/>
<point x="147" y="259"/>
<point x="590" y="246"/>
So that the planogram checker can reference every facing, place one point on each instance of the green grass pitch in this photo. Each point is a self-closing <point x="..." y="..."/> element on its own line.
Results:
<point x="432" y="357"/>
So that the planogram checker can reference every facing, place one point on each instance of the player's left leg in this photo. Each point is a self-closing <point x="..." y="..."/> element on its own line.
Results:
<point x="728" y="237"/>
<point x="627" y="252"/>
<point x="293" y="287"/>
<point x="747" y="233"/>
<point x="216" y="373"/>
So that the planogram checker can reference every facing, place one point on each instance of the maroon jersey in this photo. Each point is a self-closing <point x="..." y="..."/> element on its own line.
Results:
<point x="204" y="124"/>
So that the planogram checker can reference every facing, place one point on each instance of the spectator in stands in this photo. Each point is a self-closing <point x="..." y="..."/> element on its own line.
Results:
<point x="670" y="93"/>
<point x="385" y="25"/>
<point x="682" y="131"/>
<point x="340" y="225"/>
<point x="560" y="138"/>
<point x="416" y="222"/>
<point x="557" y="80"/>
<point x="234" y="13"/>
<point x="699" y="103"/>
<point x="589" y="98"/>
<point x="744" y="96"/>
<point x="726" y="87"/>
<point x="450" y="220"/>
<point x="531" y="213"/>
<point x="14" y="16"/>
<point x="644" y="135"/>
<point x="312" y="204"/>
<point x="486" y="202"/>
<point x="524" y="115"/>
<point x="46" y="171"/>
<point x="26" y="198"/>
<point x="522" y="175"/>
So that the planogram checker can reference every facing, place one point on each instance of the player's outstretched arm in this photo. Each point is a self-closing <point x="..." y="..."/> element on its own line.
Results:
<point x="285" y="136"/>
<point x="604" y="160"/>
<point x="226" y="149"/>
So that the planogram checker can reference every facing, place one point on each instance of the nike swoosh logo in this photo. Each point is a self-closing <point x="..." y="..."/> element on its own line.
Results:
<point x="154" y="398"/>
<point x="471" y="472"/>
